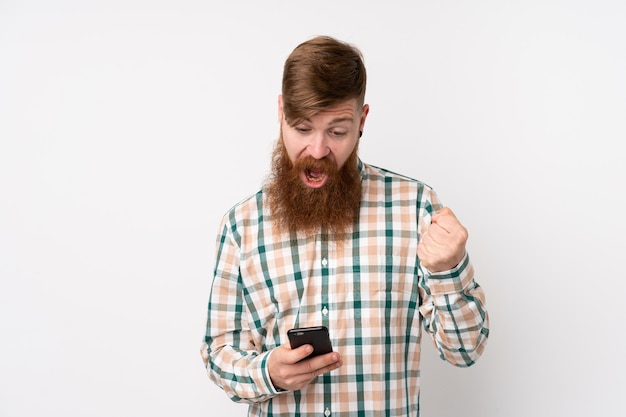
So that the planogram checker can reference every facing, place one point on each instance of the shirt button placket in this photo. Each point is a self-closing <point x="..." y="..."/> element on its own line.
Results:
<point x="325" y="302"/>
<point x="324" y="306"/>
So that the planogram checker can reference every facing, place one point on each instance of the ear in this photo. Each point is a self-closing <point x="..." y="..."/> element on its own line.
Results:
<point x="280" y="108"/>
<point x="364" y="113"/>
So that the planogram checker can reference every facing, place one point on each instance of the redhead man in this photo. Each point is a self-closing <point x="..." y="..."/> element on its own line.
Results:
<point x="332" y="241"/>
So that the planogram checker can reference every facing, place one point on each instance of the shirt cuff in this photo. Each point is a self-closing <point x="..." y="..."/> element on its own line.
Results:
<point x="266" y="369"/>
<point x="453" y="280"/>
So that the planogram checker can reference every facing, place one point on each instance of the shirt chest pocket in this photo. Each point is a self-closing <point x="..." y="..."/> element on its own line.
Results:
<point x="387" y="274"/>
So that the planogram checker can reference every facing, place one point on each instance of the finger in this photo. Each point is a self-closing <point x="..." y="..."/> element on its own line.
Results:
<point x="290" y="356"/>
<point x="306" y="371"/>
<point x="331" y="367"/>
<point x="438" y="231"/>
<point x="321" y="364"/>
<point x="300" y="353"/>
<point x="423" y="253"/>
<point x="429" y="251"/>
<point x="446" y="219"/>
<point x="435" y="236"/>
<point x="444" y="211"/>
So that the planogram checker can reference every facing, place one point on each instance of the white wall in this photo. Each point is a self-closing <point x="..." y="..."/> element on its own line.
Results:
<point x="127" y="128"/>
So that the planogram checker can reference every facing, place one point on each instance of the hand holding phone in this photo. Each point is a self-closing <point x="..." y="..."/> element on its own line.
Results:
<point x="316" y="336"/>
<point x="285" y="370"/>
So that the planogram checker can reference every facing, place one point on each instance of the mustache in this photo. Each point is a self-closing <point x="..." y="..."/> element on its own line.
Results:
<point x="325" y="165"/>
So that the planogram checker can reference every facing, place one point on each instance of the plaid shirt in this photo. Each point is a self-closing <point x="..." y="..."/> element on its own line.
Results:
<point x="369" y="290"/>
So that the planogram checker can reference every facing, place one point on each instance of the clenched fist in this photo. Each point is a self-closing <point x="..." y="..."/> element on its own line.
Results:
<point x="443" y="244"/>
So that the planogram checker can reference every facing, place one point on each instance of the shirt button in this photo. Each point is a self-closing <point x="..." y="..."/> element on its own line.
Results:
<point x="325" y="311"/>
<point x="327" y="412"/>
<point x="324" y="262"/>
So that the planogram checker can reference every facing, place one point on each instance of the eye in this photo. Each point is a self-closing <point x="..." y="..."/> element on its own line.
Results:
<point x="338" y="133"/>
<point x="302" y="129"/>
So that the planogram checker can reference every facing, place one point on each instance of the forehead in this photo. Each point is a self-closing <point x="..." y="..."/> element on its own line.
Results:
<point x="345" y="111"/>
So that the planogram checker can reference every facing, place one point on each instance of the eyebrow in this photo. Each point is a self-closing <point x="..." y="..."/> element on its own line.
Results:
<point x="341" y="119"/>
<point x="336" y="120"/>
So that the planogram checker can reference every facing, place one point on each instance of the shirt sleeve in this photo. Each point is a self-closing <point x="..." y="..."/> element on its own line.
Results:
<point x="232" y="351"/>
<point x="454" y="312"/>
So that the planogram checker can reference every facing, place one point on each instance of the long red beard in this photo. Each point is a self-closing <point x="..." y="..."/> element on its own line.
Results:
<point x="296" y="207"/>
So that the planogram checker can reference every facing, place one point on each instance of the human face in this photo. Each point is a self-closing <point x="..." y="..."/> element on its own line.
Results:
<point x="332" y="133"/>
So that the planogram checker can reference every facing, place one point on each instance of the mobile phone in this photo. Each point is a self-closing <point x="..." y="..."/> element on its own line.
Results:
<point x="316" y="336"/>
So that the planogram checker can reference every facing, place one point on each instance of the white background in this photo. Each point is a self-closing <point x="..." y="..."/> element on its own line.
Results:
<point x="128" y="127"/>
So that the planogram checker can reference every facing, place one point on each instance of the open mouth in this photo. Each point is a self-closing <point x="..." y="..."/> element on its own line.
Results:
<point x="314" y="174"/>
<point x="314" y="177"/>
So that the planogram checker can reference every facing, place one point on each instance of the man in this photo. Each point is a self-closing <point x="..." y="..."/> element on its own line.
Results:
<point x="331" y="241"/>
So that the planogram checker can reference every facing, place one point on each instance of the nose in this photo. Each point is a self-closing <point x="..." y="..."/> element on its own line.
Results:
<point x="318" y="148"/>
